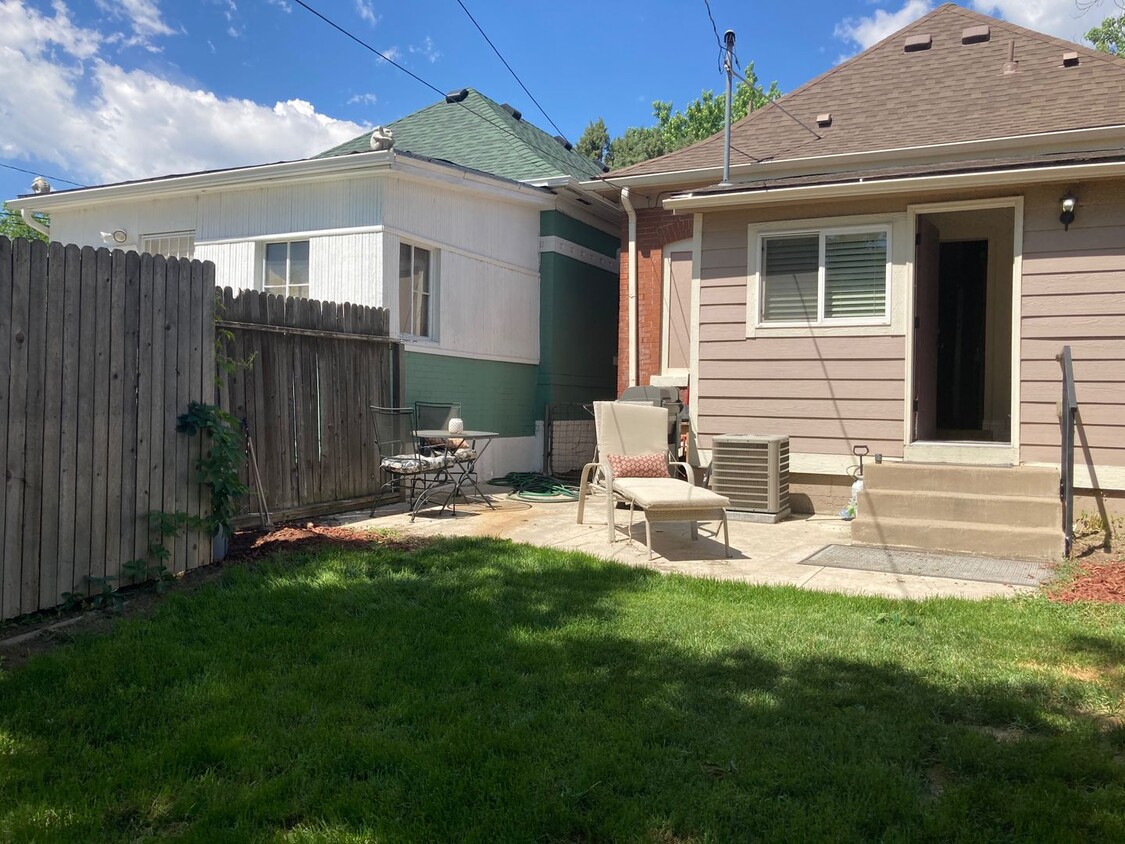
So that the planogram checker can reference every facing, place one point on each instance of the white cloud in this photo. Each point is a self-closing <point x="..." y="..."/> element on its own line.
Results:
<point x="366" y="11"/>
<point x="1062" y="18"/>
<point x="365" y="99"/>
<point x="143" y="16"/>
<point x="865" y="31"/>
<point x="425" y="50"/>
<point x="390" y="54"/>
<point x="105" y="123"/>
<point x="281" y="4"/>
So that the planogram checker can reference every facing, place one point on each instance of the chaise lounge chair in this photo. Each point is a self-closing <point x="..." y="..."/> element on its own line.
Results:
<point x="633" y="465"/>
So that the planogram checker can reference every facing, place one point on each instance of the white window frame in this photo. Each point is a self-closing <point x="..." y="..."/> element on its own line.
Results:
<point x="150" y="243"/>
<point x="266" y="244"/>
<point x="757" y="277"/>
<point x="435" y="268"/>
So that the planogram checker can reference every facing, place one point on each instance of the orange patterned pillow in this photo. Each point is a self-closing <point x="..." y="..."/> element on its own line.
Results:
<point x="638" y="465"/>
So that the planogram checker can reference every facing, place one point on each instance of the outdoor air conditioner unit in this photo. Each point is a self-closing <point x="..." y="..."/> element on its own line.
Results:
<point x="752" y="470"/>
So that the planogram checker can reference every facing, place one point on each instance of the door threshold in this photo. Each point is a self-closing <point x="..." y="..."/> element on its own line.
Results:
<point x="972" y="452"/>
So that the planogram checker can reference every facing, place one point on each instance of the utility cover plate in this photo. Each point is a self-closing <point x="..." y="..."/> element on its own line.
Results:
<point x="931" y="564"/>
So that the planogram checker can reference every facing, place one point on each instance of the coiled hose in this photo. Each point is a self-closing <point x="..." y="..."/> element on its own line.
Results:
<point x="532" y="486"/>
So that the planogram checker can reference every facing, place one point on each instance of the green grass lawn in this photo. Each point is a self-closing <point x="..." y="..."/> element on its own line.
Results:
<point x="477" y="690"/>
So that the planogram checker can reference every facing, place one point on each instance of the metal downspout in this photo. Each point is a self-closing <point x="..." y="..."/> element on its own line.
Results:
<point x="25" y="215"/>
<point x="633" y="367"/>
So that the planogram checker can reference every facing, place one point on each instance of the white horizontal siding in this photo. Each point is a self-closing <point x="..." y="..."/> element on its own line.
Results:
<point x="500" y="231"/>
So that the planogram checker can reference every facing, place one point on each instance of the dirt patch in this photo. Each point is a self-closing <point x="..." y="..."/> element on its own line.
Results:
<point x="43" y="632"/>
<point x="1004" y="735"/>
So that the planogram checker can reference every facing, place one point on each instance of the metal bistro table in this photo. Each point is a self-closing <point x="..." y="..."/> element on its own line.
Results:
<point x="464" y="471"/>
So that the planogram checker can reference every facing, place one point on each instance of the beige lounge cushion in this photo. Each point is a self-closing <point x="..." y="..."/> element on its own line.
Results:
<point x="669" y="494"/>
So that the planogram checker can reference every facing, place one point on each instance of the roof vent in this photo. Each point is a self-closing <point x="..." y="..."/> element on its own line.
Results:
<point x="976" y="34"/>
<point x="917" y="42"/>
<point x="564" y="143"/>
<point x="457" y="96"/>
<point x="824" y="120"/>
<point x="1011" y="65"/>
<point x="516" y="113"/>
<point x="1070" y="59"/>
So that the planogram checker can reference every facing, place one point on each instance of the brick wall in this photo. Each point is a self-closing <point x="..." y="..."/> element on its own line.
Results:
<point x="655" y="228"/>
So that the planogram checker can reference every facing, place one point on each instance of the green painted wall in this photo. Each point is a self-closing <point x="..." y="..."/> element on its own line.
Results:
<point x="577" y="324"/>
<point x="559" y="224"/>
<point x="494" y="396"/>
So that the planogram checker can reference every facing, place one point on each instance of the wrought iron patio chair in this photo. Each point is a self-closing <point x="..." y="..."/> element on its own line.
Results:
<point x="437" y="416"/>
<point x="419" y="474"/>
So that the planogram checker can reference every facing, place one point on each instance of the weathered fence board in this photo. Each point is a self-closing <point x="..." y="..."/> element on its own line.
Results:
<point x="100" y="352"/>
<point x="317" y="369"/>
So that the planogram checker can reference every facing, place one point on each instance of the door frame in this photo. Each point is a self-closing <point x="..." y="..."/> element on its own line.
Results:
<point x="984" y="453"/>
<point x="685" y="245"/>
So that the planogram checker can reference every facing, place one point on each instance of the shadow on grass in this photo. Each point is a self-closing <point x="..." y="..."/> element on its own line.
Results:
<point x="479" y="690"/>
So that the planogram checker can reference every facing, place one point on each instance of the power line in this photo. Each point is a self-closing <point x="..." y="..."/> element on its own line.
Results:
<point x="563" y="163"/>
<point x="715" y="29"/>
<point x="514" y="74"/>
<point x="44" y="175"/>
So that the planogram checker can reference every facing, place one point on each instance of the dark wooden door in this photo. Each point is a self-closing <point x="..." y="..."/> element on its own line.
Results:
<point x="962" y="300"/>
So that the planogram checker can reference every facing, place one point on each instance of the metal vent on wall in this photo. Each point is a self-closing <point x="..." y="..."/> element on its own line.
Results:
<point x="753" y="472"/>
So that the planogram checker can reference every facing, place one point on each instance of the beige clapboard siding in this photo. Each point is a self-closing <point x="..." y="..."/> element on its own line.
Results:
<point x="1074" y="294"/>
<point x="803" y="387"/>
<point x="1047" y="413"/>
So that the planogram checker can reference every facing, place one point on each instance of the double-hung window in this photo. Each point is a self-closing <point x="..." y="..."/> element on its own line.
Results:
<point x="286" y="268"/>
<point x="415" y="290"/>
<point x="826" y="277"/>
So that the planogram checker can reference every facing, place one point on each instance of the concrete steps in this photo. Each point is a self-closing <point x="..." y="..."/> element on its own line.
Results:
<point x="1010" y="512"/>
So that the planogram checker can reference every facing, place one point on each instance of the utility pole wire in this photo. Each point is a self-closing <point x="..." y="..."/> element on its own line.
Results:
<point x="563" y="163"/>
<point x="44" y="175"/>
<point x="515" y="75"/>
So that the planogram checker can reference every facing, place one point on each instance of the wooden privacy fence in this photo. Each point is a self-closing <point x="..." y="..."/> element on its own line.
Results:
<point x="99" y="353"/>
<point x="316" y="369"/>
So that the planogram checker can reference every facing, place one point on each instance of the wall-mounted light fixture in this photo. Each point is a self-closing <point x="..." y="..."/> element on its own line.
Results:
<point x="117" y="236"/>
<point x="1067" y="215"/>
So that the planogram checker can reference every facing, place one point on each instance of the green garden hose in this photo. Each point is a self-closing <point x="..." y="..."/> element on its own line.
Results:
<point x="532" y="486"/>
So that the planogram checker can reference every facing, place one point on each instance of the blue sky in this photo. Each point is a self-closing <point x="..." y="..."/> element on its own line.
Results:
<point x="103" y="90"/>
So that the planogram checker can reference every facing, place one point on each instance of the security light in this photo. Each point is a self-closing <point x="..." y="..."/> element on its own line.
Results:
<point x="1067" y="215"/>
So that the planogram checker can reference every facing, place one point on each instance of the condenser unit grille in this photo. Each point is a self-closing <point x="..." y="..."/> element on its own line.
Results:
<point x="752" y="471"/>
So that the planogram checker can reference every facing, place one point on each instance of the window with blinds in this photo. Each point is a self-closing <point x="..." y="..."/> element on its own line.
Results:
<point x="790" y="278"/>
<point x="824" y="277"/>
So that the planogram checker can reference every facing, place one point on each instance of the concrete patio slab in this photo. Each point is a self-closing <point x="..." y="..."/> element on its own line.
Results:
<point x="760" y="553"/>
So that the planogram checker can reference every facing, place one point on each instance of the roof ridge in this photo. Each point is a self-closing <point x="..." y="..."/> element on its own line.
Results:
<point x="950" y="13"/>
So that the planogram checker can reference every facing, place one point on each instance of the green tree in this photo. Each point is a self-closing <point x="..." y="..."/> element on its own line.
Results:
<point x="13" y="226"/>
<point x="1109" y="36"/>
<point x="594" y="143"/>
<point x="701" y="118"/>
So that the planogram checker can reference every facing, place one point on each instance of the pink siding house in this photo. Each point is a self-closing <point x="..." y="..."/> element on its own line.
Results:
<point x="891" y="266"/>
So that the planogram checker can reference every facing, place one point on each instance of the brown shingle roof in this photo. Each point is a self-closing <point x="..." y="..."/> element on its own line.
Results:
<point x="889" y="98"/>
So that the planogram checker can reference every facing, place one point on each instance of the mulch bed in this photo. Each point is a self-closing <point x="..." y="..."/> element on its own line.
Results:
<point x="252" y="545"/>
<point x="1099" y="575"/>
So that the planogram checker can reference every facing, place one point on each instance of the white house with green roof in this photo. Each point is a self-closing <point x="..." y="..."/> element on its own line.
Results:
<point x="499" y="269"/>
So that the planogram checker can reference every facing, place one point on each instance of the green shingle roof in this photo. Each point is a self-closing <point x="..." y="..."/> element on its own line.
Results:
<point x="479" y="134"/>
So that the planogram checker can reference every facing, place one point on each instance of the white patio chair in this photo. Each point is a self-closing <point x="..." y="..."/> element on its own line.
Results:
<point x="633" y="466"/>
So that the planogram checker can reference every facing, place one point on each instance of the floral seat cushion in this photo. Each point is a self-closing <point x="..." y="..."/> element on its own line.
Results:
<point x="415" y="464"/>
